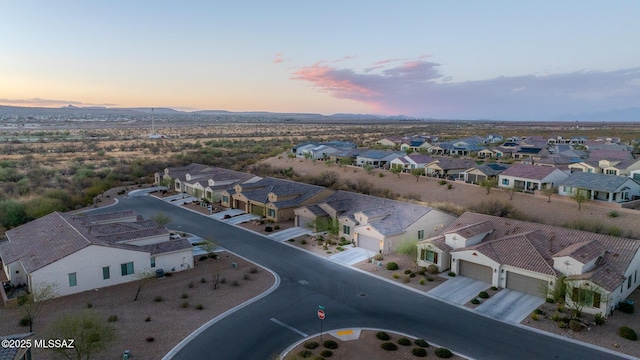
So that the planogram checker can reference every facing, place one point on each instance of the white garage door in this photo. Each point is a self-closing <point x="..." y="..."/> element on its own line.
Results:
<point x="369" y="243"/>
<point x="525" y="284"/>
<point x="475" y="271"/>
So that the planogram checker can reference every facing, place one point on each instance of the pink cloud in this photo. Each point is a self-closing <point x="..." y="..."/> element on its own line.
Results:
<point x="418" y="88"/>
<point x="278" y="58"/>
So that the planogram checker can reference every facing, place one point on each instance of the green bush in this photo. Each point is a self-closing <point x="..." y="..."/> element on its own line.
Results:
<point x="311" y="344"/>
<point x="443" y="353"/>
<point x="475" y="301"/>
<point x="599" y="319"/>
<point x="389" y="346"/>
<point x="199" y="307"/>
<point x="412" y="274"/>
<point x="406" y="279"/>
<point x="305" y="354"/>
<point x="432" y="269"/>
<point x="613" y="214"/>
<point x="184" y="295"/>
<point x="25" y="320"/>
<point x="575" y="325"/>
<point x="112" y="318"/>
<point x="419" y="352"/>
<point x="253" y="270"/>
<point x="442" y="182"/>
<point x="268" y="228"/>
<point x="451" y="273"/>
<point x="550" y="300"/>
<point x="422" y="343"/>
<point x="628" y="333"/>
<point x="494" y="288"/>
<point x="326" y="353"/>
<point x="422" y="281"/>
<point x="404" y="341"/>
<point x="483" y="295"/>
<point x="556" y="317"/>
<point x="158" y="298"/>
<point x="330" y="344"/>
<point x="392" y="266"/>
<point x="303" y="242"/>
<point x="407" y="272"/>
<point x="395" y="276"/>
<point x="534" y="316"/>
<point x="383" y="335"/>
<point x="184" y="305"/>
<point x="378" y="257"/>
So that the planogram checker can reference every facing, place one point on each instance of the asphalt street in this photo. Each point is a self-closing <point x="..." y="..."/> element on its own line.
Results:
<point x="351" y="299"/>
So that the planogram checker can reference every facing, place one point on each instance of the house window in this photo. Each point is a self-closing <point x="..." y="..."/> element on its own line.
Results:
<point x="346" y="229"/>
<point x="612" y="172"/>
<point x="225" y="199"/>
<point x="629" y="282"/>
<point x="126" y="268"/>
<point x="420" y="234"/>
<point x="72" y="279"/>
<point x="153" y="262"/>
<point x="586" y="297"/>
<point x="106" y="273"/>
<point x="567" y="189"/>
<point x="430" y="256"/>
<point x="505" y="181"/>
<point x="271" y="212"/>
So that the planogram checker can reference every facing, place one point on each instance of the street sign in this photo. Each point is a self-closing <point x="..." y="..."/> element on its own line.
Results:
<point x="320" y="314"/>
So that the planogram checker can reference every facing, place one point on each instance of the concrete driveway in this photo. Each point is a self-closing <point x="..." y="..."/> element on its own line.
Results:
<point x="290" y="233"/>
<point x="459" y="290"/>
<point x="510" y="305"/>
<point x="231" y="212"/>
<point x="352" y="255"/>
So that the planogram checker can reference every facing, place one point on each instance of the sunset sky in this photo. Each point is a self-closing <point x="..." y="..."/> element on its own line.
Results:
<point x="520" y="60"/>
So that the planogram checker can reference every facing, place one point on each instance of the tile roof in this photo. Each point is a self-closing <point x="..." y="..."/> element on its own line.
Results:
<point x="601" y="154"/>
<point x="529" y="171"/>
<point x="583" y="251"/>
<point x="472" y="230"/>
<point x="598" y="182"/>
<point x="605" y="275"/>
<point x="259" y="191"/>
<point x="548" y="241"/>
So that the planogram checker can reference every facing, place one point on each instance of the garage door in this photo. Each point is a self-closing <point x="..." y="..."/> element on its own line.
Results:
<point x="525" y="284"/>
<point x="475" y="271"/>
<point x="369" y="243"/>
<point x="241" y="205"/>
<point x="257" y="210"/>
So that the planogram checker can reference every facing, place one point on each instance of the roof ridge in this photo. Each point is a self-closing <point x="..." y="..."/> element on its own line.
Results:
<point x="73" y="227"/>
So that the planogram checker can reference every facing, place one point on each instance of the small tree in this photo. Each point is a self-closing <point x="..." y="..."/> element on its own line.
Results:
<point x="417" y="173"/>
<point x="409" y="247"/>
<point x="142" y="277"/>
<point x="488" y="185"/>
<point x="208" y="246"/>
<point x="291" y="155"/>
<point x="344" y="162"/>
<point x="368" y="168"/>
<point x="548" y="192"/>
<point x="580" y="297"/>
<point x="161" y="219"/>
<point x="91" y="334"/>
<point x="396" y="170"/>
<point x="579" y="197"/>
<point x="31" y="304"/>
<point x="307" y="156"/>
<point x="511" y="191"/>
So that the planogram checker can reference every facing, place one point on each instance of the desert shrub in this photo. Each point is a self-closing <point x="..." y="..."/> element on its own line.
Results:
<point x="483" y="295"/>
<point x="305" y="354"/>
<point x="325" y="247"/>
<point x="149" y="339"/>
<point x="89" y="305"/>
<point x="449" y="186"/>
<point x="627" y="333"/>
<point x="147" y="319"/>
<point x="235" y="283"/>
<point x="396" y="276"/>
<point x="246" y="277"/>
<point x="412" y="274"/>
<point x="392" y="266"/>
<point x="407" y="272"/>
<point x="203" y="258"/>
<point x="389" y="346"/>
<point x="330" y="344"/>
<point x="311" y="344"/>
<point x="223" y="280"/>
<point x="556" y="317"/>
<point x="383" y="335"/>
<point x="443" y="353"/>
<point x="199" y="307"/>
<point x="303" y="242"/>
<point x="291" y="240"/>
<point x="112" y="318"/>
<point x="253" y="270"/>
<point x="268" y="228"/>
<point x="475" y="301"/>
<point x="158" y="298"/>
<point x="419" y="352"/>
<point x="404" y="341"/>
<point x="538" y="312"/>
<point x="561" y="308"/>
<point x="203" y="280"/>
<point x="422" y="281"/>
<point x="406" y="279"/>
<point x="432" y="269"/>
<point x="421" y="343"/>
<point x="550" y="300"/>
<point x="184" y="305"/>
<point x="429" y="278"/>
<point x="276" y="227"/>
<point x="191" y="284"/>
<point x="575" y="325"/>
<point x="495" y="208"/>
<point x="534" y="316"/>
<point x="613" y="214"/>
<point x="599" y="319"/>
<point x="562" y="324"/>
<point x="25" y="320"/>
<point x="422" y="272"/>
<point x="326" y="353"/>
<point x="626" y="307"/>
<point x="494" y="288"/>
<point x="451" y="273"/>
<point x="378" y="257"/>
<point x="442" y="182"/>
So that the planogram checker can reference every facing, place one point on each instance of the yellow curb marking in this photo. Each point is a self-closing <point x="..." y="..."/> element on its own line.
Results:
<point x="345" y="332"/>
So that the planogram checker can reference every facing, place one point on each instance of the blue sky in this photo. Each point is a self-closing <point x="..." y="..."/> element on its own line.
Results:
<point x="521" y="60"/>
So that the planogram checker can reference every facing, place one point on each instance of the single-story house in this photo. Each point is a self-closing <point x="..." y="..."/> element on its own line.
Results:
<point x="377" y="158"/>
<point x="207" y="182"/>
<point x="525" y="153"/>
<point x="85" y="252"/>
<point x="491" y="153"/>
<point x="411" y="161"/>
<point x="588" y="166"/>
<point x="375" y="224"/>
<point x="531" y="177"/>
<point x="348" y="155"/>
<point x="415" y="144"/>
<point x="444" y="167"/>
<point x="603" y="187"/>
<point x="531" y="257"/>
<point x="466" y="146"/>
<point x="480" y="173"/>
<point x="273" y="199"/>
<point x="392" y="141"/>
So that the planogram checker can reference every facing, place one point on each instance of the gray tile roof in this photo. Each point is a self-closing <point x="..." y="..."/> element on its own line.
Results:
<point x="598" y="182"/>
<point x="548" y="241"/>
<point x="259" y="191"/>
<point x="532" y="172"/>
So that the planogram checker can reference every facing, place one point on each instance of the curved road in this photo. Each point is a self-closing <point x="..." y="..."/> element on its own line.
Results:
<point x="351" y="299"/>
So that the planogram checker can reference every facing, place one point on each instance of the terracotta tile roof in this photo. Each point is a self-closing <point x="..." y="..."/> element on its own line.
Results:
<point x="472" y="230"/>
<point x="583" y="251"/>
<point x="605" y="275"/>
<point x="438" y="242"/>
<point x="95" y="218"/>
<point x="548" y="240"/>
<point x="168" y="246"/>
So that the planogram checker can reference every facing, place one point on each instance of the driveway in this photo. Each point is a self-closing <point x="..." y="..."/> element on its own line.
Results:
<point x="231" y="212"/>
<point x="289" y="233"/>
<point x="352" y="255"/>
<point x="241" y="219"/>
<point x="510" y="305"/>
<point x="459" y="290"/>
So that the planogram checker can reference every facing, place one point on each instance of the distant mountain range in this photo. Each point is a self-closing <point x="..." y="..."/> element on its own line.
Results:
<point x="623" y="115"/>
